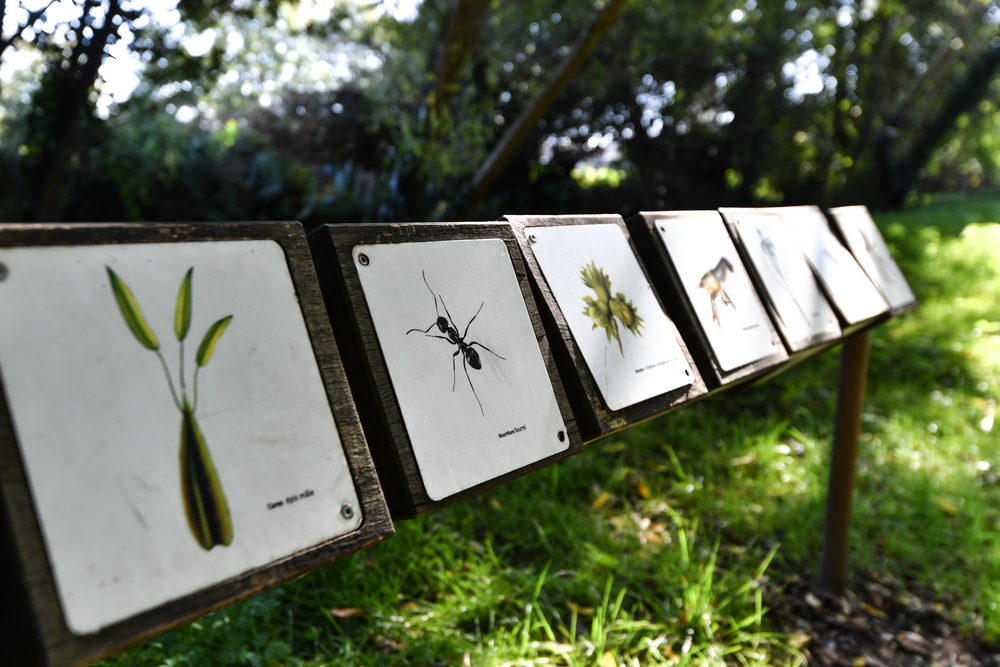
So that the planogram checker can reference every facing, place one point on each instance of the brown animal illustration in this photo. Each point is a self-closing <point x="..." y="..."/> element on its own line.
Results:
<point x="712" y="281"/>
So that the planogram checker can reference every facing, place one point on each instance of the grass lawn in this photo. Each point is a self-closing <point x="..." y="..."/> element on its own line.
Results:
<point x="659" y="546"/>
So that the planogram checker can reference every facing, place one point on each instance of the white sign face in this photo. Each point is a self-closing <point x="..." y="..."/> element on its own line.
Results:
<point x="855" y="295"/>
<point x="463" y="359"/>
<point x="158" y="470"/>
<point x="719" y="289"/>
<point x="868" y="246"/>
<point x="791" y="286"/>
<point x="624" y="336"/>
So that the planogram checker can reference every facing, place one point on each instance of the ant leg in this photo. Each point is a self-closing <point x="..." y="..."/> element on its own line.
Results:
<point x="438" y="312"/>
<point x="466" y="369"/>
<point x="473" y="319"/>
<point x="453" y="326"/>
<point x="441" y="337"/>
<point x="487" y="349"/>
<point x="427" y="330"/>
<point x="454" y="373"/>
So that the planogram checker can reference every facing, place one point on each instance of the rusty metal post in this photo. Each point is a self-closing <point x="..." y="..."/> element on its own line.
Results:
<point x="843" y="461"/>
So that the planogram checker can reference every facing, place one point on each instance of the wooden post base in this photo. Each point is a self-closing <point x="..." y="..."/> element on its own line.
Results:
<point x="843" y="461"/>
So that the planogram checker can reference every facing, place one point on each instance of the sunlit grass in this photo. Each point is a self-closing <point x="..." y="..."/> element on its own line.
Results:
<point x="659" y="546"/>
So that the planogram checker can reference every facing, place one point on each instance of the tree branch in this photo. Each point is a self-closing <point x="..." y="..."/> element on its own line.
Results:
<point x="899" y="175"/>
<point x="512" y="140"/>
<point x="465" y="22"/>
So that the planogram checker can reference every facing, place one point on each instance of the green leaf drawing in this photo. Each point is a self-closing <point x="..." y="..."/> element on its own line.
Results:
<point x="182" y="315"/>
<point x="212" y="337"/>
<point x="606" y="310"/>
<point x="204" y="501"/>
<point x="130" y="311"/>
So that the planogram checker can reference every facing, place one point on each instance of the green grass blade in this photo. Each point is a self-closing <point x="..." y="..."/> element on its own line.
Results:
<point x="130" y="311"/>
<point x="204" y="500"/>
<point x="212" y="337"/>
<point x="182" y="314"/>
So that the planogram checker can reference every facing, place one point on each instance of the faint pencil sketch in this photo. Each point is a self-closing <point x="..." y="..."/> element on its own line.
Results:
<point x="884" y="265"/>
<point x="779" y="266"/>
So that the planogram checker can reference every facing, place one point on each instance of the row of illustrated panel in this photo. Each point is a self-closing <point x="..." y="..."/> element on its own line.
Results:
<point x="193" y="413"/>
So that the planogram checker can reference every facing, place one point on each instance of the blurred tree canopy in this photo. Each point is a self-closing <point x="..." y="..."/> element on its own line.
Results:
<point x="350" y="110"/>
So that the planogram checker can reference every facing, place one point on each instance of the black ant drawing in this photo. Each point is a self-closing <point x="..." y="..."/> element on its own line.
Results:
<point x="447" y="326"/>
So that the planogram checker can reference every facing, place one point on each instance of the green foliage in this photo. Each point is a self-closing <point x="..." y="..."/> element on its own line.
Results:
<point x="129" y="308"/>
<point x="212" y="336"/>
<point x="182" y="313"/>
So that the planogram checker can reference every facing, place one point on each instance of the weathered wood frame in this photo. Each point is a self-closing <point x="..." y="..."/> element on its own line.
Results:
<point x="667" y="282"/>
<point x="378" y="408"/>
<point x="593" y="416"/>
<point x="32" y="630"/>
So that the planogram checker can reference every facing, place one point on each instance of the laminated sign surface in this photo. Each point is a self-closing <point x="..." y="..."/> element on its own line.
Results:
<point x="171" y="417"/>
<point x="463" y="358"/>
<point x="611" y="310"/>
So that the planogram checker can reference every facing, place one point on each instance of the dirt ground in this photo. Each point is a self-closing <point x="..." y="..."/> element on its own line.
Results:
<point x="877" y="623"/>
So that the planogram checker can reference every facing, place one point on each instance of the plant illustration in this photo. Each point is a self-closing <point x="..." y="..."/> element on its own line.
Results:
<point x="606" y="310"/>
<point x="201" y="491"/>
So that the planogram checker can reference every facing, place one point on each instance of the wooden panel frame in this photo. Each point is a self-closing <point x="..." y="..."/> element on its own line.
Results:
<point x="835" y="225"/>
<point x="593" y="416"/>
<point x="332" y="247"/>
<point x="666" y="281"/>
<point x="35" y="632"/>
<point x="794" y="346"/>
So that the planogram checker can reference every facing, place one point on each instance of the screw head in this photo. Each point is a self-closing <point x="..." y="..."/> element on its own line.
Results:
<point x="562" y="436"/>
<point x="363" y="259"/>
<point x="4" y="271"/>
<point x="532" y="239"/>
<point x="347" y="511"/>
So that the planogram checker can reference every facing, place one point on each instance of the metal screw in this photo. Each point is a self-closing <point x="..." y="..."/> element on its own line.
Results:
<point x="346" y="510"/>
<point x="687" y="372"/>
<point x="532" y="239"/>
<point x="3" y="271"/>
<point x="562" y="436"/>
<point x="363" y="259"/>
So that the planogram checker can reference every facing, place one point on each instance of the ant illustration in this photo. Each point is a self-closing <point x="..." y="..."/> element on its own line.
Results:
<point x="470" y="357"/>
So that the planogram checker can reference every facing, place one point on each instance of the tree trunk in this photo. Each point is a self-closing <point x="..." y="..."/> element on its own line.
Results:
<point x="898" y="176"/>
<point x="59" y="105"/>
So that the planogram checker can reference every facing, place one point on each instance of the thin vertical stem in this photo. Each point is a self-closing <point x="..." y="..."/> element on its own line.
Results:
<point x="170" y="382"/>
<point x="182" y="367"/>
<point x="194" y="388"/>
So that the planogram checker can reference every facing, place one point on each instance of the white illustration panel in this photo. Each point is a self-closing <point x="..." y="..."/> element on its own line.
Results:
<point x="869" y="248"/>
<point x="719" y="289"/>
<point x="623" y="334"/>
<point x="171" y="416"/>
<point x="463" y="358"/>
<point x="855" y="295"/>
<point x="791" y="286"/>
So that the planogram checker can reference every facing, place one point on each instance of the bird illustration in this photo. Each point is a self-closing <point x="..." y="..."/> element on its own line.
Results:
<point x="712" y="281"/>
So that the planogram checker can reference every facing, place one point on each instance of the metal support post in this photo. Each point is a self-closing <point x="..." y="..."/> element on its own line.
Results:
<point x="843" y="461"/>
